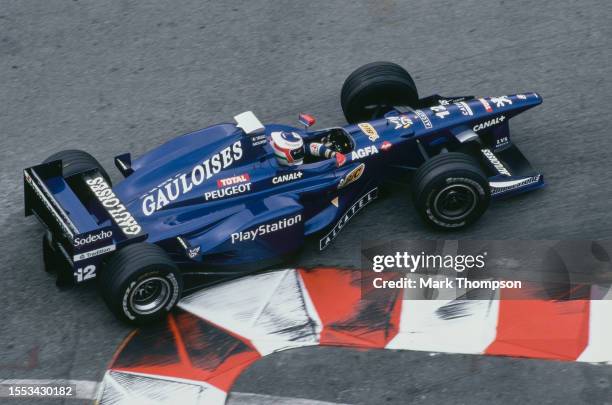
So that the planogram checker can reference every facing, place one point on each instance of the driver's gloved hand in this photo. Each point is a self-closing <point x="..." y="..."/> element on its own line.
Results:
<point x="320" y="150"/>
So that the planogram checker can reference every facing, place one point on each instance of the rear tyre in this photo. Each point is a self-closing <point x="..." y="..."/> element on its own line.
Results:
<point x="450" y="191"/>
<point x="373" y="89"/>
<point x="76" y="161"/>
<point x="140" y="283"/>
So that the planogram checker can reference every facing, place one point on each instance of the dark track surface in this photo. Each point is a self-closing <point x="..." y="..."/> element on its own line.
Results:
<point x="116" y="76"/>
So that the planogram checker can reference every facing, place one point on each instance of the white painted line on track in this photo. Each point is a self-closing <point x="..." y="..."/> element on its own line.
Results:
<point x="242" y="398"/>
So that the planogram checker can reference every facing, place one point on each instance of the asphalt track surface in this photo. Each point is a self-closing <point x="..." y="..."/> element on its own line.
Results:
<point x="116" y="76"/>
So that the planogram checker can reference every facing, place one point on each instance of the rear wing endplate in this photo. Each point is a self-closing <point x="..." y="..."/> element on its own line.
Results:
<point x="40" y="201"/>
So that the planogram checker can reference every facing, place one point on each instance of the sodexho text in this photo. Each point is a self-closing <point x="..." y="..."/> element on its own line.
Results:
<point x="92" y="237"/>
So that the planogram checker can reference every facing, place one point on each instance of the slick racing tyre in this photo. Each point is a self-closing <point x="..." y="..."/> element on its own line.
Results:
<point x="450" y="191"/>
<point x="77" y="161"/>
<point x="140" y="284"/>
<point x="373" y="89"/>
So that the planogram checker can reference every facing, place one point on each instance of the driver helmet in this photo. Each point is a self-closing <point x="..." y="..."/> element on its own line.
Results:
<point x="288" y="148"/>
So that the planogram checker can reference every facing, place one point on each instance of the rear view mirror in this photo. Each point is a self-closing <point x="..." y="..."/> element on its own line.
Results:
<point x="307" y="120"/>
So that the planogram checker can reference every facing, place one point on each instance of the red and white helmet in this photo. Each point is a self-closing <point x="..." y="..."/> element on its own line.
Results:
<point x="288" y="148"/>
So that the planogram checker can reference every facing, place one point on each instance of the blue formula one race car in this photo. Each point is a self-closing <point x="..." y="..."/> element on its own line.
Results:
<point x="240" y="196"/>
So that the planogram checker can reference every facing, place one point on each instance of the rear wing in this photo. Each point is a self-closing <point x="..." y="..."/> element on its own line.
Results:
<point x="39" y="200"/>
<point x="83" y="225"/>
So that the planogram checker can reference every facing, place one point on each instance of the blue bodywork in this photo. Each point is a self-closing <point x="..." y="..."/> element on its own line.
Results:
<point x="217" y="200"/>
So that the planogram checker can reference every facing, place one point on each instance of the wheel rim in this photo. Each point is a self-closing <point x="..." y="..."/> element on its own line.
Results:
<point x="455" y="202"/>
<point x="149" y="295"/>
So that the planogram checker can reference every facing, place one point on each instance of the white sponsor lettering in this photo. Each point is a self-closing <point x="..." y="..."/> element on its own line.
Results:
<point x="93" y="253"/>
<point x="501" y="101"/>
<point x="503" y="141"/>
<point x="92" y="237"/>
<point x="501" y="169"/>
<point x="227" y="191"/>
<point x="424" y="118"/>
<point x="440" y="110"/>
<point x="364" y="152"/>
<point x="85" y="273"/>
<point x="287" y="177"/>
<point x="258" y="140"/>
<point x="498" y="187"/>
<point x="265" y="229"/>
<point x="122" y="217"/>
<point x="185" y="182"/>
<point x="350" y="213"/>
<point x="464" y="108"/>
<point x="403" y="121"/>
<point x="489" y="123"/>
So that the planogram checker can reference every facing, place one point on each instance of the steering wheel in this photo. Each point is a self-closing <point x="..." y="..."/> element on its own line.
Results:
<point x="338" y="141"/>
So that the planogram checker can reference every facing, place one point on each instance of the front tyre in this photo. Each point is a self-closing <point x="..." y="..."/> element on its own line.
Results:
<point x="140" y="283"/>
<point x="450" y="191"/>
<point x="374" y="89"/>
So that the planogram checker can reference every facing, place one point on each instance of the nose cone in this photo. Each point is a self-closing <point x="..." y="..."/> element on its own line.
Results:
<point x="520" y="101"/>
<point x="525" y="99"/>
